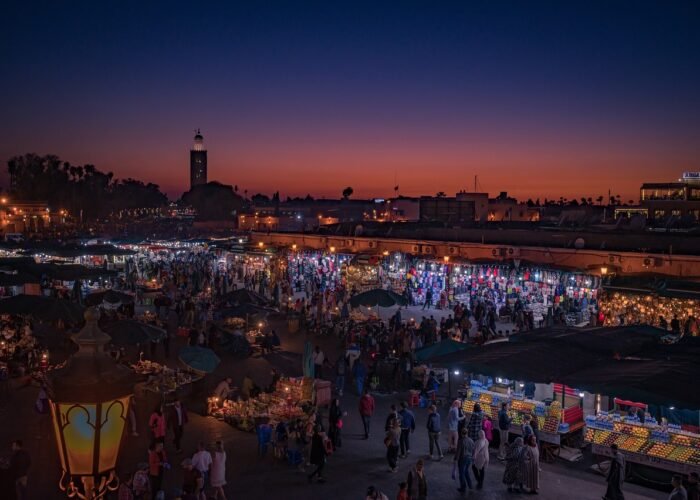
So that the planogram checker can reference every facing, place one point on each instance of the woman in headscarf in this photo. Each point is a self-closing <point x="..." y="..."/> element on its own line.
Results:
<point x="616" y="476"/>
<point x="335" y="422"/>
<point x="530" y="463"/>
<point x="512" y="477"/>
<point x="481" y="459"/>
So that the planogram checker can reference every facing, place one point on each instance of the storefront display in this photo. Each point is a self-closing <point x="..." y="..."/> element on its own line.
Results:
<point x="663" y="446"/>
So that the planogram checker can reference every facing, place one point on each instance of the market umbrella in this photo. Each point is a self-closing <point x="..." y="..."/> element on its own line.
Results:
<point x="60" y="309"/>
<point x="245" y="310"/>
<point x="132" y="332"/>
<point x="48" y="335"/>
<point x="21" y="304"/>
<point x="244" y="296"/>
<point x="442" y="348"/>
<point x="109" y="296"/>
<point x="43" y="308"/>
<point x="198" y="358"/>
<point x="377" y="297"/>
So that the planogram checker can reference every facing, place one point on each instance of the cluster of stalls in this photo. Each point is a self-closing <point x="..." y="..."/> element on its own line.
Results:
<point x="599" y="386"/>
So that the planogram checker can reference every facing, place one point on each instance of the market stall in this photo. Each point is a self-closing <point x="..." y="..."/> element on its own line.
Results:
<point x="292" y="398"/>
<point x="555" y="422"/>
<point x="658" y="445"/>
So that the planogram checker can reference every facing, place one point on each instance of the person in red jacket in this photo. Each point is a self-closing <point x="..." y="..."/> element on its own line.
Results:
<point x="366" y="411"/>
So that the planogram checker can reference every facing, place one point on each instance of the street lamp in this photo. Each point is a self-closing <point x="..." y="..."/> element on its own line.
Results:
<point x="89" y="400"/>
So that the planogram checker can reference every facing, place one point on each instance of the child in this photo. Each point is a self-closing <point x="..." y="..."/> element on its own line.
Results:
<point x="403" y="491"/>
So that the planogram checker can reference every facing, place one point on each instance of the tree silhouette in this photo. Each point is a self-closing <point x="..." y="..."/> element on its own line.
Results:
<point x="440" y="194"/>
<point x="347" y="192"/>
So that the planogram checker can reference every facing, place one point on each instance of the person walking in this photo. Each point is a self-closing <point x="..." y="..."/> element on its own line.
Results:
<point x="178" y="419"/>
<point x="481" y="459"/>
<point x="504" y="421"/>
<point x="453" y="420"/>
<point x="475" y="423"/>
<point x="531" y="465"/>
<point x="408" y="426"/>
<point x="359" y="373"/>
<point x="340" y="368"/>
<point x="318" y="455"/>
<point x="616" y="476"/>
<point x="417" y="482"/>
<point x="157" y="424"/>
<point x="218" y="471"/>
<point x="512" y="476"/>
<point x="202" y="461"/>
<point x="679" y="492"/>
<point x="434" y="426"/>
<point x="20" y="462"/>
<point x="393" y="415"/>
<point x="366" y="408"/>
<point x="319" y="359"/>
<point x="335" y="423"/>
<point x="693" y="489"/>
<point x="463" y="458"/>
<point x="391" y="440"/>
<point x="487" y="427"/>
<point x="157" y="463"/>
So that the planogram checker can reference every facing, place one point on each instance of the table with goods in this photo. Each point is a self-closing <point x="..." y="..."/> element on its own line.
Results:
<point x="291" y="399"/>
<point x="666" y="447"/>
<point x="553" y="422"/>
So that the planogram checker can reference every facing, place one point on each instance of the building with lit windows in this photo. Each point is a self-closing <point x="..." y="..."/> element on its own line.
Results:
<point x="672" y="199"/>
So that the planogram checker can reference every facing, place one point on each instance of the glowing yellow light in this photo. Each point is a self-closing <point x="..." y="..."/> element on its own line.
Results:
<point x="603" y="270"/>
<point x="446" y="258"/>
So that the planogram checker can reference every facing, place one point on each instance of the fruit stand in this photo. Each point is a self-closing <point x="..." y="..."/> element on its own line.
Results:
<point x="290" y="400"/>
<point x="553" y="423"/>
<point x="669" y="448"/>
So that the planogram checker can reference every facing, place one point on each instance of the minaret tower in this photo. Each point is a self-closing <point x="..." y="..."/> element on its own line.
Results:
<point x="198" y="161"/>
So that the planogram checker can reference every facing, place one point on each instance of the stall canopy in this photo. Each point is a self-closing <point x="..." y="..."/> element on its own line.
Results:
<point x="664" y="287"/>
<point x="628" y="362"/>
<point x="43" y="308"/>
<point x="109" y="296"/>
<point x="199" y="359"/>
<point x="244" y="296"/>
<point x="439" y="349"/>
<point x="131" y="332"/>
<point x="377" y="297"/>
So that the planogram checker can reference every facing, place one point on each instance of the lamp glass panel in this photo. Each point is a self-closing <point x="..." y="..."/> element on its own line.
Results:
<point x="56" y="419"/>
<point x="78" y="422"/>
<point x="114" y="414"/>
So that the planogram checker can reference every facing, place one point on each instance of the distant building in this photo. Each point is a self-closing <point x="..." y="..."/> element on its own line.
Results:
<point x="503" y="208"/>
<point x="666" y="199"/>
<point x="450" y="210"/>
<point x="198" y="162"/>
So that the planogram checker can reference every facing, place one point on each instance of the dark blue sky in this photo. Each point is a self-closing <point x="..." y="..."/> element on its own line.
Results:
<point x="540" y="99"/>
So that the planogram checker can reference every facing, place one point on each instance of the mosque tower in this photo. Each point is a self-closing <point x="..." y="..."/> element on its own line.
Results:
<point x="198" y="162"/>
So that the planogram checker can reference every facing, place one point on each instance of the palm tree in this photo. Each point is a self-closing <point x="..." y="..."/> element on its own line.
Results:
<point x="440" y="194"/>
<point x="347" y="192"/>
<point x="599" y="199"/>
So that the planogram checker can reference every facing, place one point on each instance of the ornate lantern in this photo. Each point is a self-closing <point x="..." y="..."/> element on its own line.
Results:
<point x="89" y="401"/>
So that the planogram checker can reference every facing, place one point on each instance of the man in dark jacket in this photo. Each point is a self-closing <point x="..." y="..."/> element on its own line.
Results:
<point x="408" y="425"/>
<point x="177" y="420"/>
<point x="504" y="421"/>
<point x="434" y="426"/>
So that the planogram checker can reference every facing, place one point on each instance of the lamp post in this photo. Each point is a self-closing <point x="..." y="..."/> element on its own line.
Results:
<point x="89" y="400"/>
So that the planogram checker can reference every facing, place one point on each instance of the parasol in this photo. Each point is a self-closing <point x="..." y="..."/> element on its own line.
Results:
<point x="109" y="296"/>
<point x="377" y="297"/>
<point x="132" y="332"/>
<point x="199" y="359"/>
<point x="244" y="296"/>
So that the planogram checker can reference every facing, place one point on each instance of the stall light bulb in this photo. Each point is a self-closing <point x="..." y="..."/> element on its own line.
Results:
<point x="499" y="380"/>
<point x="580" y="394"/>
<point x="456" y="372"/>
<point x="521" y="384"/>
<point x="671" y="407"/>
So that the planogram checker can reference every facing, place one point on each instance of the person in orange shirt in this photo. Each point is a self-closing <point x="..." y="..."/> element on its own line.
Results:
<point x="157" y="463"/>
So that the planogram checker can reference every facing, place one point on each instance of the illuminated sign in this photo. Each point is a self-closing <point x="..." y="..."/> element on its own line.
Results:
<point x="691" y="176"/>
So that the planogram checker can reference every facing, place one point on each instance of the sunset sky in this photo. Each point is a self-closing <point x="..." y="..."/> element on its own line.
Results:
<point x="537" y="99"/>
